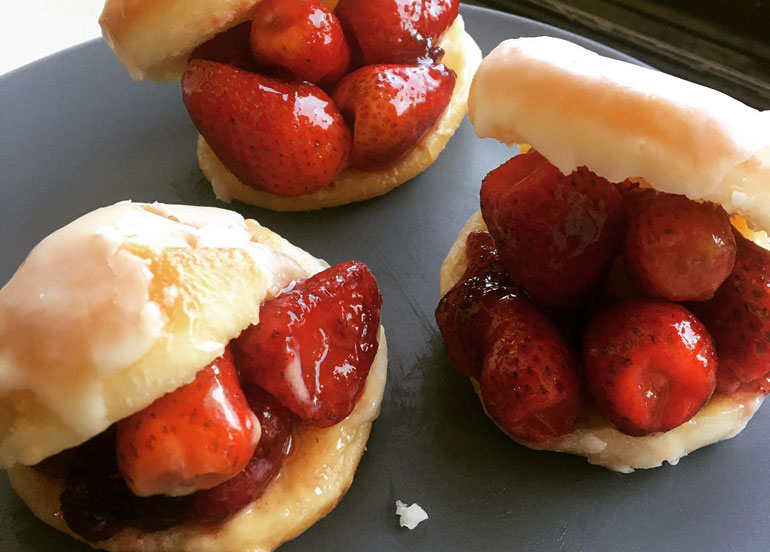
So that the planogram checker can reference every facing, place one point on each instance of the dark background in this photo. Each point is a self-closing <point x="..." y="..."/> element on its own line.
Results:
<point x="722" y="44"/>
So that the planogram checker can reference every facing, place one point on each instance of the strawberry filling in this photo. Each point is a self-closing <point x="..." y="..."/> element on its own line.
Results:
<point x="300" y="93"/>
<point x="204" y="451"/>
<point x="584" y="292"/>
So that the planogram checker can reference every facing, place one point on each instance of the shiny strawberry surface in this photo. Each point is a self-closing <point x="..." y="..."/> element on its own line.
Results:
<point x="286" y="138"/>
<point x="529" y="381"/>
<point x="649" y="365"/>
<point x="390" y="108"/>
<point x="225" y="500"/>
<point x="678" y="249"/>
<point x="470" y="310"/>
<point x="738" y="317"/>
<point x="195" y="437"/>
<point x="314" y="344"/>
<point x="396" y="31"/>
<point x="557" y="234"/>
<point x="302" y="37"/>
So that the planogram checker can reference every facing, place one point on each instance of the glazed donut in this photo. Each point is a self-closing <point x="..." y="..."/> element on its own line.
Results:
<point x="137" y="31"/>
<point x="143" y="298"/>
<point x="621" y="121"/>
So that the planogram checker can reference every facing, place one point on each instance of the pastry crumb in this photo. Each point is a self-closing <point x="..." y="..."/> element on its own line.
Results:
<point x="410" y="517"/>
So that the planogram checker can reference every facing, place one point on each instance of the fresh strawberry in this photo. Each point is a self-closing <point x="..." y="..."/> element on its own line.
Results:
<point x="649" y="365"/>
<point x="315" y="343"/>
<point x="475" y="305"/>
<point x="529" y="382"/>
<point x="390" y="108"/>
<point x="193" y="438"/>
<point x="302" y="36"/>
<point x="225" y="500"/>
<point x="557" y="235"/>
<point x="738" y="318"/>
<point x="396" y="31"/>
<point x="678" y="249"/>
<point x="231" y="47"/>
<point x="284" y="138"/>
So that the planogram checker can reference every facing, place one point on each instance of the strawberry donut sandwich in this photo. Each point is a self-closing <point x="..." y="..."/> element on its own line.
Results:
<point x="305" y="104"/>
<point x="611" y="298"/>
<point x="177" y="378"/>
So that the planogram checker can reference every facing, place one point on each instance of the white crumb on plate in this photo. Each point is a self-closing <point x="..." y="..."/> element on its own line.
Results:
<point x="410" y="517"/>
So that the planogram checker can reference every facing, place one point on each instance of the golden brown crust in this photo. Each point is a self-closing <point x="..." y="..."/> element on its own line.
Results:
<point x="597" y="439"/>
<point x="461" y="54"/>
<point x="312" y="480"/>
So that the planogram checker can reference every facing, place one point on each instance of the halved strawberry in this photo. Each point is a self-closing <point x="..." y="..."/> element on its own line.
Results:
<point x="529" y="382"/>
<point x="302" y="36"/>
<point x="738" y="317"/>
<point x="649" y="365"/>
<point x="557" y="235"/>
<point x="284" y="138"/>
<point x="193" y="438"/>
<point x="315" y="343"/>
<point x="678" y="249"/>
<point x="390" y="108"/>
<point x="396" y="31"/>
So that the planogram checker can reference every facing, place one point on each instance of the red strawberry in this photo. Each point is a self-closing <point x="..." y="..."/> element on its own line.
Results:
<point x="301" y="36"/>
<point x="231" y="47"/>
<point x="390" y="108"/>
<point x="285" y="138"/>
<point x="557" y="235"/>
<point x="315" y="343"/>
<point x="225" y="500"/>
<point x="396" y="31"/>
<point x="193" y="438"/>
<point x="738" y="318"/>
<point x="529" y="381"/>
<point x="475" y="305"/>
<point x="481" y="256"/>
<point x="649" y="365"/>
<point x="678" y="249"/>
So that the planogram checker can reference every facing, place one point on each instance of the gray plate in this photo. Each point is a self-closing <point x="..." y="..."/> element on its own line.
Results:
<point x="76" y="134"/>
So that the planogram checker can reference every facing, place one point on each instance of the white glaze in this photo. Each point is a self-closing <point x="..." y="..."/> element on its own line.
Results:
<point x="622" y="120"/>
<point x="90" y="280"/>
